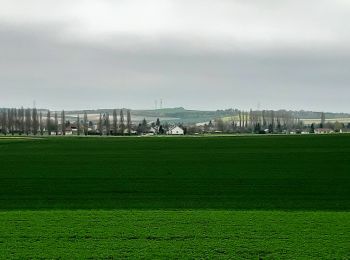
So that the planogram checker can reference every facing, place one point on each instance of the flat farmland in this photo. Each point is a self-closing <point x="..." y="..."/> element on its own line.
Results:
<point x="188" y="197"/>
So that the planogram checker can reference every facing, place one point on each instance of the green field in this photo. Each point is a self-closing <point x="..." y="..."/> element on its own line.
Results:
<point x="269" y="197"/>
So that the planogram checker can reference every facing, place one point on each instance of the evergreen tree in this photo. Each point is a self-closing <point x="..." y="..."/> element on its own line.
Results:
<point x="161" y="130"/>
<point x="270" y="128"/>
<point x="312" y="129"/>
<point x="144" y="126"/>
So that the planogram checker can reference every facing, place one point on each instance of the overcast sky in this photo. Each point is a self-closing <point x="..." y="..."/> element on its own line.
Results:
<point x="199" y="54"/>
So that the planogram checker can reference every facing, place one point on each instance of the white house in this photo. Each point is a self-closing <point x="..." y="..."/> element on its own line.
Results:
<point x="154" y="130"/>
<point x="175" y="130"/>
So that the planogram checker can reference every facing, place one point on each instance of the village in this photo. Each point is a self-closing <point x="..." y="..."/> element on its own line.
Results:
<point x="120" y="123"/>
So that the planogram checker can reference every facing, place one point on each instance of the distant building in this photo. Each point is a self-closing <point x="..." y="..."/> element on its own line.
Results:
<point x="69" y="130"/>
<point x="175" y="130"/>
<point x="133" y="132"/>
<point x="323" y="131"/>
<point x="154" y="130"/>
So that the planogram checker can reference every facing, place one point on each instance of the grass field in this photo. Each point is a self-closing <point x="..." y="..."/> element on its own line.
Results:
<point x="273" y="197"/>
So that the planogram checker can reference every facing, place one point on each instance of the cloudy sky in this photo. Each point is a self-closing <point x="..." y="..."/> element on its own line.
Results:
<point x="199" y="54"/>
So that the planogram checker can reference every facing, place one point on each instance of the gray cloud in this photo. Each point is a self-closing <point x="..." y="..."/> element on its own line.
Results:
<point x="42" y="61"/>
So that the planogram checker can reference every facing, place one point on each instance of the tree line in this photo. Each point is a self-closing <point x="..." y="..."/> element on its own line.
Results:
<point x="30" y="121"/>
<point x="252" y="122"/>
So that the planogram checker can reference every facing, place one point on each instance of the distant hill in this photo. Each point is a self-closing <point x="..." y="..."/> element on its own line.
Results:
<point x="182" y="115"/>
<point x="170" y="115"/>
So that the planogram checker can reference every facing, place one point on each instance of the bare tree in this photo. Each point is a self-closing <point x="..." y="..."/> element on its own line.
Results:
<point x="35" y="122"/>
<point x="121" y="122"/>
<point x="323" y="120"/>
<point x="10" y="123"/>
<point x="240" y="119"/>
<point x="48" y="122"/>
<point x="115" y="122"/>
<point x="251" y="118"/>
<point x="108" y="124"/>
<point x="28" y="120"/>
<point x="273" y="120"/>
<point x="264" y="118"/>
<point x="56" y="123"/>
<point x="100" y="126"/>
<point x="128" y="121"/>
<point x="63" y="123"/>
<point x="21" y="120"/>
<point x="4" y="122"/>
<point x="78" y="125"/>
<point x="86" y="127"/>
<point x="41" y="124"/>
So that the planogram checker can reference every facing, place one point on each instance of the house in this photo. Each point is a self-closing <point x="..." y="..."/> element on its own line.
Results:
<point x="154" y="130"/>
<point x="175" y="130"/>
<point x="323" y="131"/>
<point x="132" y="132"/>
<point x="69" y="130"/>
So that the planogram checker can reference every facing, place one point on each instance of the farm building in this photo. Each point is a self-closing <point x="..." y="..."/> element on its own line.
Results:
<point x="175" y="130"/>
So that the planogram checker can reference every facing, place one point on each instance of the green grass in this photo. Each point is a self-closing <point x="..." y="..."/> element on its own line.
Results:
<point x="276" y="172"/>
<point x="273" y="197"/>
<point x="175" y="234"/>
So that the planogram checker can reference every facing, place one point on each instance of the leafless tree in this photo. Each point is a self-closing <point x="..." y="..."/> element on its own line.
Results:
<point x="28" y="121"/>
<point x="86" y="127"/>
<point x="35" y="122"/>
<point x="4" y="122"/>
<point x="41" y="124"/>
<point x="48" y="122"/>
<point x="108" y="124"/>
<point x="10" y="122"/>
<point x="100" y="126"/>
<point x="323" y="119"/>
<point x="115" y="122"/>
<point x="121" y="122"/>
<point x="63" y="123"/>
<point x="128" y="121"/>
<point x="78" y="125"/>
<point x="56" y="123"/>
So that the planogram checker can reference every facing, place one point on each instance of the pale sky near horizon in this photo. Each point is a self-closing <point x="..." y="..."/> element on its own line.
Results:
<point x="198" y="54"/>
